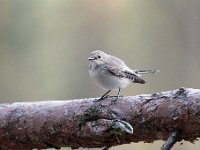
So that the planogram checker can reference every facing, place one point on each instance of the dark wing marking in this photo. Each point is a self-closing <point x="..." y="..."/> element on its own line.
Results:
<point x="125" y="74"/>
<point x="142" y="72"/>
<point x="134" y="77"/>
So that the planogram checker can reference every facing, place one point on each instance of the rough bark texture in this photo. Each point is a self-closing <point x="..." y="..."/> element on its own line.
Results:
<point x="85" y="123"/>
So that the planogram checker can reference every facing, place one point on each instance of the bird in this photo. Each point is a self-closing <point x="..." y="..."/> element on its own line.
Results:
<point x="111" y="73"/>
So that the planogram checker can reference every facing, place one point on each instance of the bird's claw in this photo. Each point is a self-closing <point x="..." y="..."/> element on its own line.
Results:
<point x="101" y="98"/>
<point x="115" y="98"/>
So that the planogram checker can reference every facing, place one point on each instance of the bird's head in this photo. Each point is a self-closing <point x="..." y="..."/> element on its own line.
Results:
<point x="97" y="57"/>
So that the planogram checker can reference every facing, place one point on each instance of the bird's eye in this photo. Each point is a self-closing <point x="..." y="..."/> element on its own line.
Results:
<point x="99" y="56"/>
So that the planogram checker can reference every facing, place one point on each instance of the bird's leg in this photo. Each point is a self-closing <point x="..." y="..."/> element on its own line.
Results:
<point x="118" y="95"/>
<point x="103" y="96"/>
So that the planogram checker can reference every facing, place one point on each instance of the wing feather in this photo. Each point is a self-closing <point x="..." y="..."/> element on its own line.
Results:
<point x="118" y="68"/>
<point x="125" y="73"/>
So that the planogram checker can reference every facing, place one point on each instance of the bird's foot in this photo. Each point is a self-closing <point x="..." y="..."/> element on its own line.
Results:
<point x="101" y="98"/>
<point x="115" y="98"/>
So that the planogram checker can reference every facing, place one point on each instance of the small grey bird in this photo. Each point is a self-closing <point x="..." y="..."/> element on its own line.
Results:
<point x="111" y="73"/>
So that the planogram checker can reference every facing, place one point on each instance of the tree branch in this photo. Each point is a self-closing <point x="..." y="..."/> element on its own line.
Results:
<point x="85" y="123"/>
<point x="173" y="138"/>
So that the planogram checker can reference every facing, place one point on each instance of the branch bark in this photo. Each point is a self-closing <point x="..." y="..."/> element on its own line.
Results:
<point x="85" y="123"/>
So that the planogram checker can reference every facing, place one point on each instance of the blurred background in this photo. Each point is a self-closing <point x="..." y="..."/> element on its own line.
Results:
<point x="44" y="46"/>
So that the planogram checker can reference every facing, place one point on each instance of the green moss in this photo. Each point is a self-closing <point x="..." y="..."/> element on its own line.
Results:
<point x="9" y="126"/>
<point x="90" y="114"/>
<point x="81" y="120"/>
<point x="92" y="111"/>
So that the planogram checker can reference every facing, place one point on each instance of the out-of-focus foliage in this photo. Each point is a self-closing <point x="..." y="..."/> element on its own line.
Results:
<point x="44" y="47"/>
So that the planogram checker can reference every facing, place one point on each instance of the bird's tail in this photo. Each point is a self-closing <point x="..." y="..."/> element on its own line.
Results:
<point x="143" y="72"/>
<point x="139" y="73"/>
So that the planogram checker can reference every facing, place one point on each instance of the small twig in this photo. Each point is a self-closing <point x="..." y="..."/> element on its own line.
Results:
<point x="173" y="138"/>
<point x="106" y="147"/>
<point x="117" y="138"/>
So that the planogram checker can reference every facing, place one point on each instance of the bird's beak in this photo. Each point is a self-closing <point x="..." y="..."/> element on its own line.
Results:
<point x="91" y="58"/>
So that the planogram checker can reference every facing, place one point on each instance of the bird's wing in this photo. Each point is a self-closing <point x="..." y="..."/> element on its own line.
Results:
<point x="124" y="72"/>
<point x="117" y="67"/>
